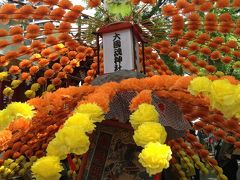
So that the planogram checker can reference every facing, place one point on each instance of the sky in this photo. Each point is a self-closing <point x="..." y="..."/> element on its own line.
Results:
<point x="84" y="4"/>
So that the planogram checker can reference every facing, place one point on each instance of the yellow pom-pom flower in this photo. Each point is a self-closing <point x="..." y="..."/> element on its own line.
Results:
<point x="30" y="94"/>
<point x="224" y="97"/>
<point x="18" y="109"/>
<point x="47" y="168"/>
<point x="35" y="87"/>
<point x="15" y="83"/>
<point x="82" y="121"/>
<point x="149" y="132"/>
<point x="56" y="148"/>
<point x="13" y="111"/>
<point x="237" y="102"/>
<point x="5" y="119"/>
<point x="8" y="91"/>
<point x="155" y="157"/>
<point x="74" y="138"/>
<point x="200" y="85"/>
<point x="3" y="75"/>
<point x="96" y="112"/>
<point x="144" y="113"/>
<point x="222" y="93"/>
<point x="237" y="92"/>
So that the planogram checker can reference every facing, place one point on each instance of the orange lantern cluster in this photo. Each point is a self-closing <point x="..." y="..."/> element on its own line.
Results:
<point x="188" y="45"/>
<point x="210" y="22"/>
<point x="94" y="68"/>
<point x="216" y="125"/>
<point x="33" y="30"/>
<point x="57" y="61"/>
<point x="175" y="52"/>
<point x="44" y="57"/>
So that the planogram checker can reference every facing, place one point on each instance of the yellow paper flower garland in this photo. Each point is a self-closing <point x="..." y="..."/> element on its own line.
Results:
<point x="72" y="137"/>
<point x="47" y="168"/>
<point x="223" y="95"/>
<point x="56" y="148"/>
<point x="13" y="111"/>
<point x="96" y="113"/>
<point x="82" y="121"/>
<point x="144" y="113"/>
<point x="150" y="135"/>
<point x="200" y="85"/>
<point x="149" y="132"/>
<point x="155" y="157"/>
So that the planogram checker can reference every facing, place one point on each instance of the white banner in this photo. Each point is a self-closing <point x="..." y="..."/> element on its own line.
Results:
<point x="118" y="51"/>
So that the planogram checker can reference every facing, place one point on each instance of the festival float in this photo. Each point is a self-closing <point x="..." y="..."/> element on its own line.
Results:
<point x="150" y="73"/>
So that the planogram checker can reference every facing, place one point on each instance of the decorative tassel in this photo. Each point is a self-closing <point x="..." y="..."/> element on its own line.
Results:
<point x="71" y="163"/>
<point x="157" y="177"/>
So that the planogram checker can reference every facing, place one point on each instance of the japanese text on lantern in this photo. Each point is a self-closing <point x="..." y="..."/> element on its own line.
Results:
<point x="117" y="52"/>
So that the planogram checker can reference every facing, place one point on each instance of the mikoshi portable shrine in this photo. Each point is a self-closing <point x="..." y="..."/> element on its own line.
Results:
<point x="116" y="89"/>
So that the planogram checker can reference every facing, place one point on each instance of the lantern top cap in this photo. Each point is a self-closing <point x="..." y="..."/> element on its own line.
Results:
<point x="121" y="26"/>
